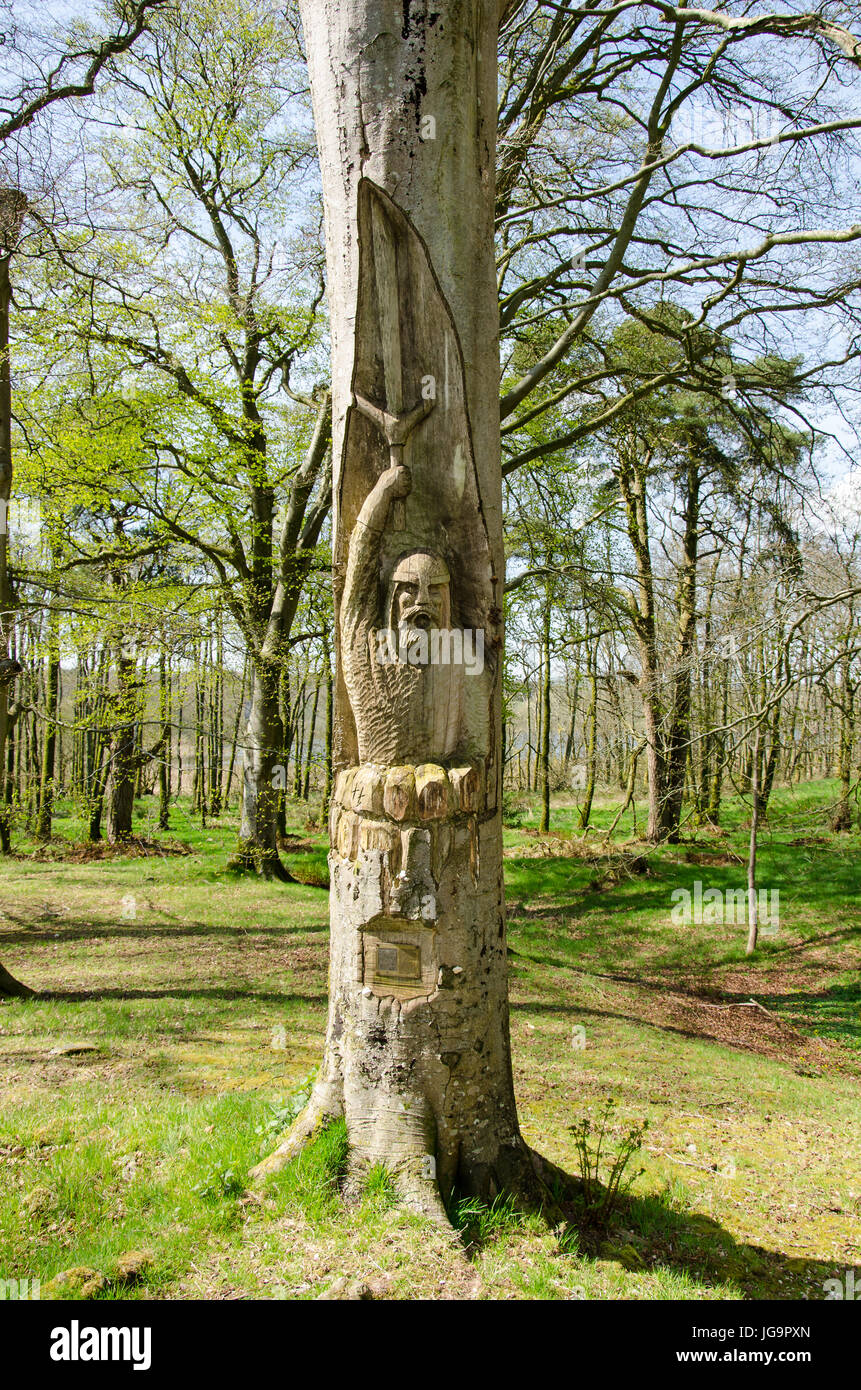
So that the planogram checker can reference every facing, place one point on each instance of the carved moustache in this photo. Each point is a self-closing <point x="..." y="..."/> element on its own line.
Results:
<point x="418" y="617"/>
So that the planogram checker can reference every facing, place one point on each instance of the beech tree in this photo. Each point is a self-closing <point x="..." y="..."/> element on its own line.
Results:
<point x="417" y="1053"/>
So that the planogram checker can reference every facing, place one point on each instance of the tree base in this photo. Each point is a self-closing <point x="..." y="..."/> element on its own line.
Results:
<point x="265" y="863"/>
<point x="10" y="988"/>
<point x="536" y="1184"/>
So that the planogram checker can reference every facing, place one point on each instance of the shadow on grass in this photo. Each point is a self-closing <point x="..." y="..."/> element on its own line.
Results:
<point x="653" y="1234"/>
<point x="86" y="996"/>
<point x="33" y="932"/>
<point x="792" y="1039"/>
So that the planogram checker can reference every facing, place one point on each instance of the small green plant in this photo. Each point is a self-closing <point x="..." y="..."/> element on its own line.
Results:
<point x="280" y="1117"/>
<point x="219" y="1184"/>
<point x="313" y="1179"/>
<point x="592" y="1138"/>
<point x="480" y="1221"/>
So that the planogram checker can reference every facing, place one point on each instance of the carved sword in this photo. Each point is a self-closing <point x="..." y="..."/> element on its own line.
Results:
<point x="395" y="423"/>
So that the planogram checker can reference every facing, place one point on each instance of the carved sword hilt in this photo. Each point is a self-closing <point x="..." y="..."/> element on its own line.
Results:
<point x="396" y="430"/>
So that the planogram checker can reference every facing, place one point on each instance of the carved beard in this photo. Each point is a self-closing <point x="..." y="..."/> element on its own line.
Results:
<point x="410" y="632"/>
<point x="407" y="628"/>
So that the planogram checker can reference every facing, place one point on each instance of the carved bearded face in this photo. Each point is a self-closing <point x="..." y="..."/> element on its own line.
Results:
<point x="419" y="594"/>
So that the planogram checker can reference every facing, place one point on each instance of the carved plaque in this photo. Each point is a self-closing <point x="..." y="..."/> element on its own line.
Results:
<point x="399" y="959"/>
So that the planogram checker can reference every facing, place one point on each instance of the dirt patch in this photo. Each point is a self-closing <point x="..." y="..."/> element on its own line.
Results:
<point x="742" y="1023"/>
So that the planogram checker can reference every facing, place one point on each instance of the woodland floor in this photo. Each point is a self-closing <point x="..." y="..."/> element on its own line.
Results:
<point x="183" y="1010"/>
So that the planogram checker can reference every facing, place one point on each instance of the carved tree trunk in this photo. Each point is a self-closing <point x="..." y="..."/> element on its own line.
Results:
<point x="417" y="1052"/>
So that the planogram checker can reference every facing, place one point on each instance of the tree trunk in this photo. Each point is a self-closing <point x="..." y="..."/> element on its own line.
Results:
<point x="545" y="718"/>
<point x="124" y="761"/>
<point x="632" y="476"/>
<point x="12" y="207"/>
<point x="306" y="784"/>
<point x="235" y="739"/>
<point x="678" y="740"/>
<point x="258" y="849"/>
<point x="417" y="1052"/>
<point x="718" y="749"/>
<point x="842" y="816"/>
<point x="330" y="715"/>
<point x="752" y="915"/>
<point x="591" y="732"/>
<point x="49" y="742"/>
<point x="10" y="988"/>
<point x="164" y="762"/>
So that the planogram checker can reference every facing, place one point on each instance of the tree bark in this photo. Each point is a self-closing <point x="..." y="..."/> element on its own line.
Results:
<point x="544" y="825"/>
<point x="752" y="914"/>
<point x="417" y="1053"/>
<point x="164" y="763"/>
<point x="124" y="760"/>
<point x="679" y="733"/>
<point x="49" y="742"/>
<point x="330" y="719"/>
<point x="258" y="848"/>
<point x="13" y="206"/>
<point x="591" y="734"/>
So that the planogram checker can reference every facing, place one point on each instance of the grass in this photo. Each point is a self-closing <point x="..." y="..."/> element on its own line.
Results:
<point x="186" y="1015"/>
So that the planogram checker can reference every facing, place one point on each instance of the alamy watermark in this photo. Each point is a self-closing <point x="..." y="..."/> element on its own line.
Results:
<point x="734" y="126"/>
<point x="725" y="906"/>
<point x="845" y="1288"/>
<point x="432" y="647"/>
<point x="20" y="1289"/>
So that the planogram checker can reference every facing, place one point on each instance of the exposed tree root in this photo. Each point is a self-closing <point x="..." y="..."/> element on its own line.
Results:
<point x="323" y="1107"/>
<point x="535" y="1183"/>
<point x="10" y="988"/>
<point x="265" y="863"/>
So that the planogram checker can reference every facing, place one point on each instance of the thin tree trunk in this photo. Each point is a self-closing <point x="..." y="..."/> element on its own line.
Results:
<point x="306" y="785"/>
<point x="235" y="738"/>
<point x="164" y="720"/>
<point x="591" y="739"/>
<point x="49" y="741"/>
<point x="258" y="848"/>
<point x="545" y="726"/>
<point x="124" y="759"/>
<point x="752" y="916"/>
<point x="13" y="206"/>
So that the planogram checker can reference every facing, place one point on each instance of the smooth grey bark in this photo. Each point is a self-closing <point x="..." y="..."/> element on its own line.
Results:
<point x="258" y="848"/>
<point x="752" y="914"/>
<point x="417" y="1056"/>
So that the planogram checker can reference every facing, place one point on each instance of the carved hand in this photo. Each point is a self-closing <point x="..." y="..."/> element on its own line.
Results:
<point x="397" y="481"/>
